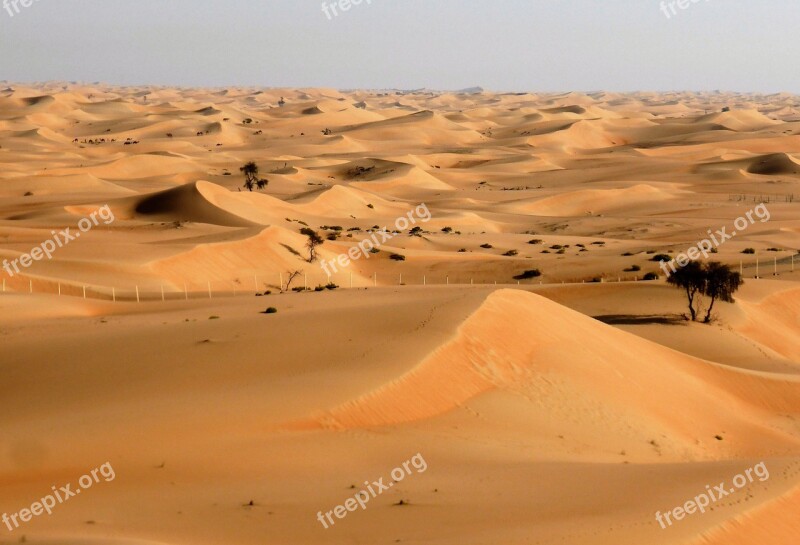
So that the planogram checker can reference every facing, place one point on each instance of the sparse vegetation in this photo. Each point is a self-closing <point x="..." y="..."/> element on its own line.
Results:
<point x="251" y="179"/>
<point x="531" y="273"/>
<point x="712" y="279"/>
<point x="314" y="240"/>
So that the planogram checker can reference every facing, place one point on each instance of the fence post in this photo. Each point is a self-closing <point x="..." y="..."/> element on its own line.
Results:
<point x="162" y="293"/>
<point x="137" y="294"/>
<point x="209" y="289"/>
<point x="114" y="294"/>
<point x="84" y="292"/>
<point x="185" y="291"/>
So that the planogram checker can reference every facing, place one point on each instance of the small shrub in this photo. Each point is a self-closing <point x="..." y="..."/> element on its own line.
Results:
<point x="487" y="246"/>
<point x="532" y="273"/>
<point x="661" y="257"/>
<point x="397" y="257"/>
<point x="511" y="253"/>
<point x="447" y="230"/>
<point x="271" y="310"/>
<point x="651" y="276"/>
<point x="535" y="241"/>
<point x="462" y="251"/>
<point x="749" y="251"/>
<point x="331" y="286"/>
<point x="633" y="268"/>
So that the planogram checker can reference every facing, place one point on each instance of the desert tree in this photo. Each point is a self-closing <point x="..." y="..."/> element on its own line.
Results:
<point x="690" y="278"/>
<point x="251" y="179"/>
<point x="720" y="283"/>
<point x="291" y="276"/>
<point x="314" y="240"/>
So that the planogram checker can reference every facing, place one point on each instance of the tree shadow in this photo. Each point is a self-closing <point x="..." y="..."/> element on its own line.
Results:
<point x="292" y="250"/>
<point x="645" y="319"/>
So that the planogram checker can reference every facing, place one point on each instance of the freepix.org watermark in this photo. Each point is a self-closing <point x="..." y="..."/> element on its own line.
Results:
<point x="670" y="7"/>
<point x="717" y="239"/>
<point x="59" y="240"/>
<point x="58" y="496"/>
<point x="711" y="495"/>
<point x="373" y="490"/>
<point x="13" y="6"/>
<point x="363" y="248"/>
<point x="333" y="9"/>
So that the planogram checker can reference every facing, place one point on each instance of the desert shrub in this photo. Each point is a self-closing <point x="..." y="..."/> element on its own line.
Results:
<point x="651" y="276"/>
<point x="397" y="257"/>
<point x="511" y="253"/>
<point x="661" y="257"/>
<point x="331" y="286"/>
<point x="535" y="241"/>
<point x="531" y="273"/>
<point x="749" y="251"/>
<point x="633" y="268"/>
<point x="487" y="246"/>
<point x="271" y="310"/>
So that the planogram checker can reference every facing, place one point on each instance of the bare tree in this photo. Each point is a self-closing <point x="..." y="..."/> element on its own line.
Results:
<point x="292" y="275"/>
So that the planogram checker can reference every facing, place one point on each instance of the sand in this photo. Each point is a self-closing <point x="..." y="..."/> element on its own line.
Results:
<point x="569" y="408"/>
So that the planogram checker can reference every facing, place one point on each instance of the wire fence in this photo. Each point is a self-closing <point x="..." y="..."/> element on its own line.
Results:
<point x="148" y="291"/>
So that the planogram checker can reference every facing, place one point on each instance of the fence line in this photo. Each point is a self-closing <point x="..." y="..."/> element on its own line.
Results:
<point x="276" y="282"/>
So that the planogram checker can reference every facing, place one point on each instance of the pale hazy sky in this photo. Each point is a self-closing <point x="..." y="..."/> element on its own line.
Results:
<point x="507" y="45"/>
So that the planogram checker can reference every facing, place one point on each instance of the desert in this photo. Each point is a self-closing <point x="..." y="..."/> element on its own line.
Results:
<point x="483" y="298"/>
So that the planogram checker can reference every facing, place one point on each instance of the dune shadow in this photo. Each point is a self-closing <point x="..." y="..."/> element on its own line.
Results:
<point x="643" y="319"/>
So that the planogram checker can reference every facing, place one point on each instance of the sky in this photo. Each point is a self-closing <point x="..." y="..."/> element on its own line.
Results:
<point x="501" y="45"/>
